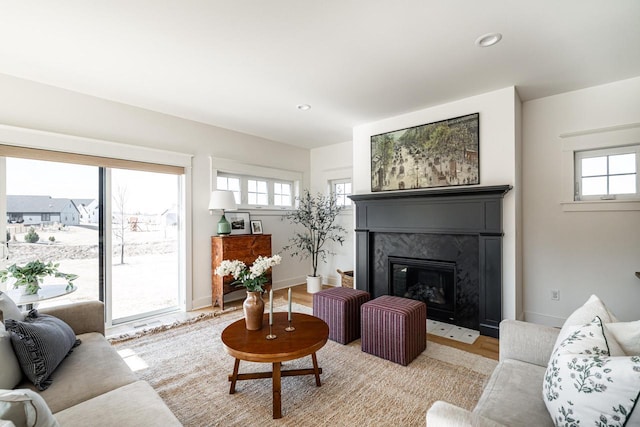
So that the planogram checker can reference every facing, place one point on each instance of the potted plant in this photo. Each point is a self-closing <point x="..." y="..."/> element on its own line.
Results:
<point x="31" y="275"/>
<point x="253" y="280"/>
<point x="317" y="215"/>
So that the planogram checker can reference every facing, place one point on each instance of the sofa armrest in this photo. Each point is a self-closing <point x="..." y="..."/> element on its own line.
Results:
<point x="83" y="317"/>
<point x="527" y="342"/>
<point x="447" y="415"/>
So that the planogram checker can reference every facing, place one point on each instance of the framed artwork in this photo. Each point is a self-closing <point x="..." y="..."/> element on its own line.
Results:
<point x="256" y="226"/>
<point x="439" y="154"/>
<point x="239" y="222"/>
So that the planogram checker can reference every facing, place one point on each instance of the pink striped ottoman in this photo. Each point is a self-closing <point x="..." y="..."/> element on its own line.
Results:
<point x="340" y="308"/>
<point x="394" y="328"/>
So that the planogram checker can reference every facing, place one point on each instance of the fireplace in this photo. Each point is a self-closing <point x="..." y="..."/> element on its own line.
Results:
<point x="441" y="246"/>
<point x="432" y="282"/>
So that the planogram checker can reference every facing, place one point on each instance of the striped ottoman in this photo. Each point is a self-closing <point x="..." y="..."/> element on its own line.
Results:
<point x="394" y="328"/>
<point x="340" y="308"/>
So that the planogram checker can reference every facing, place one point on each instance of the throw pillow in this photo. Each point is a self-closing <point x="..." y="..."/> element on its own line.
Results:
<point x="585" y="386"/>
<point x="10" y="373"/>
<point x="9" y="309"/>
<point x="590" y="309"/>
<point x="585" y="314"/>
<point x="25" y="408"/>
<point x="627" y="334"/>
<point x="40" y="342"/>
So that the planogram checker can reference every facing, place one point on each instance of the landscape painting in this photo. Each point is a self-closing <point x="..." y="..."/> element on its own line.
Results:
<point x="439" y="154"/>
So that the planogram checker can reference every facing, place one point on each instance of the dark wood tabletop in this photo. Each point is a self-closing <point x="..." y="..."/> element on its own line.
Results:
<point x="311" y="335"/>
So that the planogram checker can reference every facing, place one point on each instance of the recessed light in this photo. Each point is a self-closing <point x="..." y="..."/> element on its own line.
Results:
<point x="488" y="39"/>
<point x="303" y="107"/>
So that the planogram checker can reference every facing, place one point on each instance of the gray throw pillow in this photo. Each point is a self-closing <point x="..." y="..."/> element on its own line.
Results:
<point x="8" y="308"/>
<point x="40" y="342"/>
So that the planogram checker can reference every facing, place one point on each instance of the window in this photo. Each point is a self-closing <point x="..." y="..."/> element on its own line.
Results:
<point x="607" y="174"/>
<point x="281" y="194"/>
<point x="253" y="191"/>
<point x="257" y="193"/>
<point x="342" y="189"/>
<point x="45" y="217"/>
<point x="230" y="183"/>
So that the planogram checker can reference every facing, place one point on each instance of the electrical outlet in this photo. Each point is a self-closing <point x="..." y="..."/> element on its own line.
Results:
<point x="555" y="295"/>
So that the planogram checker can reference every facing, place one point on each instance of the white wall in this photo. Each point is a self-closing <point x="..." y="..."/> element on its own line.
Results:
<point x="329" y="163"/>
<point x="36" y="106"/>
<point x="499" y="157"/>
<point x="577" y="253"/>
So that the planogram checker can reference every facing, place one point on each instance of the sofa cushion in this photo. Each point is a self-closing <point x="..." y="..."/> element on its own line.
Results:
<point x="135" y="404"/>
<point x="512" y="395"/>
<point x="94" y="368"/>
<point x="9" y="309"/>
<point x="627" y="334"/>
<point x="10" y="374"/>
<point x="25" y="408"/>
<point x="40" y="343"/>
<point x="584" y="385"/>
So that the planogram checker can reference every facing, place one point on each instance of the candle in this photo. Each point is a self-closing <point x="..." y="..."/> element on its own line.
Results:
<point x="271" y="307"/>
<point x="289" y="305"/>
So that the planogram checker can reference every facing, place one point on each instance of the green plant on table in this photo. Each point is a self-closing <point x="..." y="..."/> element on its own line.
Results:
<point x="33" y="273"/>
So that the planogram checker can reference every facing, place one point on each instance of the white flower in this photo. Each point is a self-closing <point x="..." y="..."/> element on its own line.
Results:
<point x="235" y="268"/>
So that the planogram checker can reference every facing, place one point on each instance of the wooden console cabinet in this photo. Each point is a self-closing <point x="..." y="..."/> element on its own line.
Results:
<point x="245" y="248"/>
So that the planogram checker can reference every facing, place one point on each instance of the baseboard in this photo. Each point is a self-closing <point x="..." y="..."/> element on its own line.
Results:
<point x="543" y="319"/>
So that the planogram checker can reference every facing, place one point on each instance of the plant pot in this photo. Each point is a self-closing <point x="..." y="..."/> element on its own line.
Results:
<point x="314" y="284"/>
<point x="28" y="290"/>
<point x="253" y="307"/>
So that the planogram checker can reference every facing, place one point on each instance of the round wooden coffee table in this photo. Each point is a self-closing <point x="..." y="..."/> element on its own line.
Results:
<point x="311" y="335"/>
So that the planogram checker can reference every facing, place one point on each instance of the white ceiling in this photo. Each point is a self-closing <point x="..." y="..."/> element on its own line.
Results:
<point x="246" y="64"/>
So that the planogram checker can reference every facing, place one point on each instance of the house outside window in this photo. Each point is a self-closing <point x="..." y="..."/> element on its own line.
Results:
<point x="342" y="190"/>
<point x="607" y="174"/>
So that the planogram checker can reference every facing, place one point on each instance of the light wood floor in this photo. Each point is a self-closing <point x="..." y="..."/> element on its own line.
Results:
<point x="484" y="346"/>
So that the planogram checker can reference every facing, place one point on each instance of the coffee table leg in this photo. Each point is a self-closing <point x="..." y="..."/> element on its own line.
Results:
<point x="315" y="368"/>
<point x="277" y="402"/>
<point x="234" y="376"/>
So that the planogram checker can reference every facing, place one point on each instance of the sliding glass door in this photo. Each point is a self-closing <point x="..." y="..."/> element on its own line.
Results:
<point x="119" y="230"/>
<point x="145" y="261"/>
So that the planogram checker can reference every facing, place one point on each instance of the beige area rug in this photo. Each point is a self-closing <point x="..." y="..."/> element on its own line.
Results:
<point x="189" y="368"/>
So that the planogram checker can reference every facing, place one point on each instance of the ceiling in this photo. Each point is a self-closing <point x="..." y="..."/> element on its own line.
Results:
<point x="245" y="65"/>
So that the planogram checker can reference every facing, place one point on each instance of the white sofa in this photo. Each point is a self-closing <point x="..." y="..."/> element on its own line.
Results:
<point x="513" y="394"/>
<point x="587" y="373"/>
<point x="93" y="386"/>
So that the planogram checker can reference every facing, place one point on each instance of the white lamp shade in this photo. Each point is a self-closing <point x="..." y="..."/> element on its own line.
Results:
<point x="222" y="200"/>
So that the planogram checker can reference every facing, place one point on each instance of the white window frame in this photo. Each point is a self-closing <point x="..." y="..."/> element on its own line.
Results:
<point x="594" y="139"/>
<point x="332" y="189"/>
<point x="606" y="152"/>
<point x="243" y="171"/>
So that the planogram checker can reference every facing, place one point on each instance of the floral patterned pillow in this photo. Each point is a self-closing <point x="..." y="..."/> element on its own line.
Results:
<point x="585" y="386"/>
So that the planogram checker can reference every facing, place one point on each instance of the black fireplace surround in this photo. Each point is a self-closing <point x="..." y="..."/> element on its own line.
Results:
<point x="426" y="238"/>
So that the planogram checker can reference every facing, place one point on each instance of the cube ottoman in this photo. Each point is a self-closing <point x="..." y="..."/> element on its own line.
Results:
<point x="340" y="308"/>
<point x="394" y="328"/>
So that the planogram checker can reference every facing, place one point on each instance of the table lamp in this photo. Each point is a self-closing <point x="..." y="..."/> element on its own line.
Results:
<point x="222" y="200"/>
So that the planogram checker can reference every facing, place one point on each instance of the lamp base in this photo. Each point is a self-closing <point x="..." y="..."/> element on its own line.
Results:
<point x="224" y="227"/>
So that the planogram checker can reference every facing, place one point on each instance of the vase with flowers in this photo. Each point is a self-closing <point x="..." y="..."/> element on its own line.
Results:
<point x="253" y="280"/>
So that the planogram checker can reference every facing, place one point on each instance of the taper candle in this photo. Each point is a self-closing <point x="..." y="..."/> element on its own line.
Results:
<point x="271" y="307"/>
<point x="289" y="318"/>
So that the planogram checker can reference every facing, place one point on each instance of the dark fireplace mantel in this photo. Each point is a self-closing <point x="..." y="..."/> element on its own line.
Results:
<point x="418" y="224"/>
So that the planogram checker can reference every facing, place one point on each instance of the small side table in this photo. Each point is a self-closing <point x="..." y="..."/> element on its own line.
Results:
<point x="45" y="292"/>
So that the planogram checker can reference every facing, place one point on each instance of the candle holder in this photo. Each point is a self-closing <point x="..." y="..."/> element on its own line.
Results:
<point x="271" y="336"/>
<point x="290" y="328"/>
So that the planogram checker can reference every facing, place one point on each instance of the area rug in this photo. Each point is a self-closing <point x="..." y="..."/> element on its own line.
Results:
<point x="189" y="368"/>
